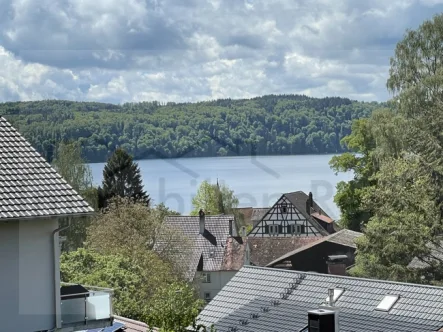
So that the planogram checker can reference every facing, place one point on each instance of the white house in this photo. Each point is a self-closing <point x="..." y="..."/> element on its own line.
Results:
<point x="32" y="199"/>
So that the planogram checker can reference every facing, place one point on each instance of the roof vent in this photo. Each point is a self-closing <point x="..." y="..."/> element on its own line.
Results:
<point x="233" y="329"/>
<point x="265" y="309"/>
<point x="254" y="315"/>
<point x="211" y="254"/>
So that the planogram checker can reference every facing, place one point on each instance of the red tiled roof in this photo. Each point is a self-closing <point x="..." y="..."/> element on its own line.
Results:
<point x="322" y="217"/>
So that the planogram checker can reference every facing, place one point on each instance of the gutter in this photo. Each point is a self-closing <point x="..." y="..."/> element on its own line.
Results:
<point x="58" y="317"/>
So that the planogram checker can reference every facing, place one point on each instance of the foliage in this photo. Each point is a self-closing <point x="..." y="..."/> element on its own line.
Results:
<point x="135" y="231"/>
<point x="70" y="164"/>
<point x="405" y="221"/>
<point x="111" y="271"/>
<point x="371" y="141"/>
<point x="122" y="178"/>
<point x="268" y="125"/>
<point x="174" y="307"/>
<point x="406" y="199"/>
<point x="214" y="199"/>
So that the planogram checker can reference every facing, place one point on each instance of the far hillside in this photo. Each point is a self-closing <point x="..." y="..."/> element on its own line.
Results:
<point x="268" y="125"/>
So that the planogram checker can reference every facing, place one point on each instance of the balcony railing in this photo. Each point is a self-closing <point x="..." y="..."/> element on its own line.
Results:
<point x="90" y="309"/>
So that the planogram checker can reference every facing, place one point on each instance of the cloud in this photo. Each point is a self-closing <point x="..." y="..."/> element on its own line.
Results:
<point x="171" y="50"/>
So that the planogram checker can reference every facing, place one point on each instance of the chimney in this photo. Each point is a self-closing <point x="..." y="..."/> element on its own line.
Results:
<point x="247" y="255"/>
<point x="230" y="227"/>
<point x="202" y="221"/>
<point x="337" y="264"/>
<point x="308" y="207"/>
<point x="311" y="200"/>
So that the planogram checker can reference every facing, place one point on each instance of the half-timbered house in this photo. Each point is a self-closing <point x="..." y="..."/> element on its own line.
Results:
<point x="295" y="214"/>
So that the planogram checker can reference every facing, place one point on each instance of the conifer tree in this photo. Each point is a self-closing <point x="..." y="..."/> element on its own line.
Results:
<point x="122" y="177"/>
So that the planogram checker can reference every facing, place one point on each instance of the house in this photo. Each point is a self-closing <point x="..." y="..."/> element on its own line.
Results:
<point x="294" y="221"/>
<point x="294" y="214"/>
<point x="213" y="251"/>
<point x="32" y="199"/>
<point x="250" y="216"/>
<point x="312" y="257"/>
<point x="283" y="300"/>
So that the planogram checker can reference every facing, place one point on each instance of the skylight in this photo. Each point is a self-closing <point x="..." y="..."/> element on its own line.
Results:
<point x="387" y="302"/>
<point x="337" y="293"/>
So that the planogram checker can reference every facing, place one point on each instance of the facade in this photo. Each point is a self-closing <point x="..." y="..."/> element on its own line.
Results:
<point x="282" y="300"/>
<point x="312" y="257"/>
<point x="294" y="214"/>
<point x="32" y="198"/>
<point x="212" y="252"/>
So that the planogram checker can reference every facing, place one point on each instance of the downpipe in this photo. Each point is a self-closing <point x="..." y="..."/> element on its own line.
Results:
<point x="55" y="234"/>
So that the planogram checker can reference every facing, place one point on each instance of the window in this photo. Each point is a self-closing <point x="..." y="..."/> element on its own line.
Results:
<point x="207" y="296"/>
<point x="337" y="293"/>
<point x="387" y="302"/>
<point x="273" y="229"/>
<point x="296" y="229"/>
<point x="206" y="278"/>
<point x="283" y="208"/>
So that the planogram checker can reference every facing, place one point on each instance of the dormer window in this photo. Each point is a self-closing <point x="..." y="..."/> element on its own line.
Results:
<point x="387" y="302"/>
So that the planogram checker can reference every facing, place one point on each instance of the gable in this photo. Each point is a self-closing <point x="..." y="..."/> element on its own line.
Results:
<point x="285" y="219"/>
<point x="29" y="186"/>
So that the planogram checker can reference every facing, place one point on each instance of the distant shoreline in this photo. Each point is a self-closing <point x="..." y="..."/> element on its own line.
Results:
<point x="232" y="157"/>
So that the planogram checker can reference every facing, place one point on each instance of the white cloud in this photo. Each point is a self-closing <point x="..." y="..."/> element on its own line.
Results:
<point x="171" y="50"/>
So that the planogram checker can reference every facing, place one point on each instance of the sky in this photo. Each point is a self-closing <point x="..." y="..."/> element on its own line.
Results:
<point x="191" y="50"/>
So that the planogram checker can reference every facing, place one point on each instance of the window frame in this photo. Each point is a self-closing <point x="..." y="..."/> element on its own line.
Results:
<point x="206" y="277"/>
<point x="273" y="229"/>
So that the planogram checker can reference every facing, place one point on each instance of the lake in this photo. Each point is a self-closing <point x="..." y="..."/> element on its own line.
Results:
<point x="256" y="181"/>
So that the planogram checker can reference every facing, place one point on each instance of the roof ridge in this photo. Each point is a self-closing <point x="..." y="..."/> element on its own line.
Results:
<point x="246" y="267"/>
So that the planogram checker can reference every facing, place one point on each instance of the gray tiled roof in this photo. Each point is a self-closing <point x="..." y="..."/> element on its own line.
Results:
<point x="345" y="237"/>
<point x="29" y="186"/>
<point x="213" y="240"/>
<point x="419" y="308"/>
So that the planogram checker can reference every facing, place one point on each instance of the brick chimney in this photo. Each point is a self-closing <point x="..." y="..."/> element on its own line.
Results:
<point x="201" y="214"/>
<point x="230" y="227"/>
<point x="337" y="264"/>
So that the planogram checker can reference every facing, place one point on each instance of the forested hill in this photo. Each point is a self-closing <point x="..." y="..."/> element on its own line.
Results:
<point x="268" y="125"/>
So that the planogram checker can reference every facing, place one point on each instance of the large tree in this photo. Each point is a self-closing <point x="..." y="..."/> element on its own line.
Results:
<point x="69" y="163"/>
<point x="132" y="230"/>
<point x="214" y="199"/>
<point x="122" y="177"/>
<point x="407" y="199"/>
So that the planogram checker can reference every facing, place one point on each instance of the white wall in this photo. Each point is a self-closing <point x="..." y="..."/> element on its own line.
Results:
<point x="27" y="275"/>
<point x="218" y="280"/>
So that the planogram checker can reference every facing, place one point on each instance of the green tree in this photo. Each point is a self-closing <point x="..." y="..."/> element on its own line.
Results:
<point x="147" y="239"/>
<point x="122" y="177"/>
<point x="407" y="200"/>
<point x="214" y="199"/>
<point x="111" y="271"/>
<point x="174" y="307"/>
<point x="70" y="164"/>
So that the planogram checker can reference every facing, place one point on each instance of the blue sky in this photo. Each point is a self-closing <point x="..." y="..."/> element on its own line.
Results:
<point x="190" y="50"/>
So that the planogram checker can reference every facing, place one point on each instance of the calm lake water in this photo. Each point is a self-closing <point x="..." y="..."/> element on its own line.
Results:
<point x="256" y="181"/>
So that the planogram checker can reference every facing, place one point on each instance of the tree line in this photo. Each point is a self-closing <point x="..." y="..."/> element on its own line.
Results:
<point x="268" y="125"/>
